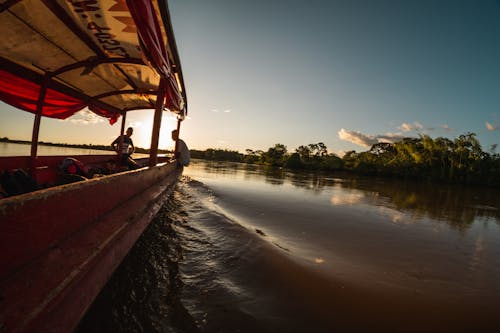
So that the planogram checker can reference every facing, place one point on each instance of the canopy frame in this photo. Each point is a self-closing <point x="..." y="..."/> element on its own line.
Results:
<point x="47" y="82"/>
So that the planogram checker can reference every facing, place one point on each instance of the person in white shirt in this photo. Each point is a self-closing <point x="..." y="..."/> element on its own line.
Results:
<point x="182" y="155"/>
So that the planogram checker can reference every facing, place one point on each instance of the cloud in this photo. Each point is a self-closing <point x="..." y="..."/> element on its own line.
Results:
<point x="418" y="127"/>
<point x="407" y="127"/>
<point x="357" y="138"/>
<point x="491" y="127"/>
<point x="85" y="117"/>
<point x="218" y="111"/>
<point x="447" y="128"/>
<point x="390" y="137"/>
<point x="340" y="152"/>
<point x="364" y="140"/>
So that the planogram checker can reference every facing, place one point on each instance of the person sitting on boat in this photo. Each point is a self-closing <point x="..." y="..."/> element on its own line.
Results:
<point x="72" y="170"/>
<point x="182" y="154"/>
<point x="73" y="166"/>
<point x="127" y="149"/>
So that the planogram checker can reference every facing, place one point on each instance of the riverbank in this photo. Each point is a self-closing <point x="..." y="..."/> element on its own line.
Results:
<point x="458" y="161"/>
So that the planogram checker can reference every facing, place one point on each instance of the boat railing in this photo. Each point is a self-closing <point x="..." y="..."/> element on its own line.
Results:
<point x="45" y="170"/>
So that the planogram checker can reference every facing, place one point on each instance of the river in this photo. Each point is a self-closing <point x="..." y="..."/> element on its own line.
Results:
<point x="22" y="149"/>
<point x="243" y="248"/>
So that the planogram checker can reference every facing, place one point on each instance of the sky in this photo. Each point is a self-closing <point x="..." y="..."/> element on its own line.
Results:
<point x="348" y="73"/>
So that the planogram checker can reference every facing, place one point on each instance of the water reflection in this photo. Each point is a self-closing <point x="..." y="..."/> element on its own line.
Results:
<point x="314" y="182"/>
<point x="224" y="168"/>
<point x="459" y="206"/>
<point x="274" y="176"/>
<point x="347" y="198"/>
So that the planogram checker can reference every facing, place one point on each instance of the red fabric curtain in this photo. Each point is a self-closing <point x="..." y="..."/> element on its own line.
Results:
<point x="173" y="97"/>
<point x="149" y="32"/>
<point x="23" y="94"/>
<point x="112" y="116"/>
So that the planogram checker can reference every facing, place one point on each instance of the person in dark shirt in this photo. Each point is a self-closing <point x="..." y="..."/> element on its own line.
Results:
<point x="127" y="149"/>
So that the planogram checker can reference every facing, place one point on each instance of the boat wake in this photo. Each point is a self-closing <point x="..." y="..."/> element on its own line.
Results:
<point x="195" y="269"/>
<point x="229" y="270"/>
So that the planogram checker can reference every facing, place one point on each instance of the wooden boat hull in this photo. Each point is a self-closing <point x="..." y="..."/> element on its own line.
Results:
<point x="59" y="246"/>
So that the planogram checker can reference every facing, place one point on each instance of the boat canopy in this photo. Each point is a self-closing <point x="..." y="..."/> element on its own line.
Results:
<point x="60" y="56"/>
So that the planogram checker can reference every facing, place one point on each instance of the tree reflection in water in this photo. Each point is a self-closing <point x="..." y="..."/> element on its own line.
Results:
<point x="457" y="205"/>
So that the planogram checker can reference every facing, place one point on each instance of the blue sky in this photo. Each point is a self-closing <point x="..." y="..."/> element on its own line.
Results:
<point x="347" y="73"/>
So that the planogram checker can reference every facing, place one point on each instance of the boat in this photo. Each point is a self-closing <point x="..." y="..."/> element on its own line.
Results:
<point x="61" y="242"/>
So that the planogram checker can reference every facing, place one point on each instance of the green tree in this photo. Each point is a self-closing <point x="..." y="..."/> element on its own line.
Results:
<point x="331" y="162"/>
<point x="294" y="162"/>
<point x="304" y="153"/>
<point x="275" y="156"/>
<point x="251" y="156"/>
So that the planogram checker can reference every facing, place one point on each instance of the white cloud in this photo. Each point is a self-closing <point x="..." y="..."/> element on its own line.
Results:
<point x="407" y="127"/>
<point x="340" y="152"/>
<point x="357" y="138"/>
<point x="85" y="117"/>
<point x="390" y="137"/>
<point x="491" y="127"/>
<point x="368" y="140"/>
<point x="447" y="128"/>
<point x="218" y="111"/>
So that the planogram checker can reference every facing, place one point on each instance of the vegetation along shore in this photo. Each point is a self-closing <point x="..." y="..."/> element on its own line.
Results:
<point x="461" y="160"/>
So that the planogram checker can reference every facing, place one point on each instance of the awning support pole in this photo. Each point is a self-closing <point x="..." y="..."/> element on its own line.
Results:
<point x="176" y="149"/>
<point x="38" y="117"/>
<point x="122" y="130"/>
<point x="155" y="135"/>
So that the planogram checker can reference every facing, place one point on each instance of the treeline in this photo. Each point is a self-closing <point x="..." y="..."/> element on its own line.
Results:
<point x="82" y="146"/>
<point x="461" y="160"/>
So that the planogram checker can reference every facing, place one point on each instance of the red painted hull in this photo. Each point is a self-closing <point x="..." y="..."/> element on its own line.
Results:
<point x="59" y="246"/>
